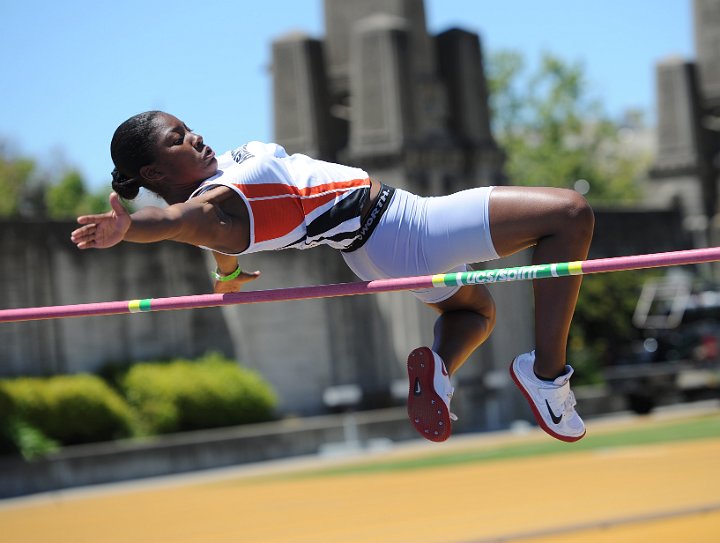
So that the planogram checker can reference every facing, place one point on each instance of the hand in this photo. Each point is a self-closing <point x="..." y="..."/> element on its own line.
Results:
<point x="235" y="285"/>
<point x="103" y="230"/>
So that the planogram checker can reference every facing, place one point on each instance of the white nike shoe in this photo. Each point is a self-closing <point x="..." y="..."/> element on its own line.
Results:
<point x="552" y="402"/>
<point x="430" y="394"/>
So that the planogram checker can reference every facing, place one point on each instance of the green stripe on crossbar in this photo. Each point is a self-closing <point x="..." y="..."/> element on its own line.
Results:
<point x="137" y="306"/>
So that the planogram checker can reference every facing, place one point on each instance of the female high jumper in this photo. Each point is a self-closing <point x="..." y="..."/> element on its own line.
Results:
<point x="259" y="198"/>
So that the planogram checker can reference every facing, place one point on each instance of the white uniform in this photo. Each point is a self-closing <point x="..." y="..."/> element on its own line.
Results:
<point x="298" y="202"/>
<point x="293" y="201"/>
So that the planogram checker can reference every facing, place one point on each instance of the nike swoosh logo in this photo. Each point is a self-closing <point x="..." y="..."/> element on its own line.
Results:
<point x="554" y="417"/>
<point x="444" y="371"/>
<point x="417" y="390"/>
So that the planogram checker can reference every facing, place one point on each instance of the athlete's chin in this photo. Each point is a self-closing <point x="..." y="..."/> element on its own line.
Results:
<point x="211" y="169"/>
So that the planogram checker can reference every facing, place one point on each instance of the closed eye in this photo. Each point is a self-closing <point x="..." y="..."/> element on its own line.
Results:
<point x="181" y="139"/>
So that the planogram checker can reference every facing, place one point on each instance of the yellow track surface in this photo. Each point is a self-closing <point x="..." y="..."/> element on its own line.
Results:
<point x="655" y="493"/>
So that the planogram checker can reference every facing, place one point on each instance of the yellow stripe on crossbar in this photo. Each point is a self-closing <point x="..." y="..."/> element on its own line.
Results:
<point x="575" y="268"/>
<point x="134" y="306"/>
<point x="438" y="280"/>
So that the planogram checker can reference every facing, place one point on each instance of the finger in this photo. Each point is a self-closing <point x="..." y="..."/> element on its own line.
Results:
<point x="244" y="277"/>
<point x="89" y="219"/>
<point x="116" y="204"/>
<point x="84" y="229"/>
<point x="86" y="244"/>
<point x="83" y="232"/>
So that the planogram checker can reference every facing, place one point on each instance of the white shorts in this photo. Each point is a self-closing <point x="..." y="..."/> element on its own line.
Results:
<point x="424" y="236"/>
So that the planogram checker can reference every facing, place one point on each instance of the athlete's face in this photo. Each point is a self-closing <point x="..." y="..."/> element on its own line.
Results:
<point x="181" y="156"/>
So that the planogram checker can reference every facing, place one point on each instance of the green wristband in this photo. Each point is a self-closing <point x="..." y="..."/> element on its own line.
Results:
<point x="220" y="277"/>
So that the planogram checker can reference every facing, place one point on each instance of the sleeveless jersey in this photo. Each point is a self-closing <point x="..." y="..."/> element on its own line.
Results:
<point x="293" y="201"/>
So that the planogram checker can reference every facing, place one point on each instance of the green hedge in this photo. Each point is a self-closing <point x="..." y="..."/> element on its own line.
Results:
<point x="37" y="415"/>
<point x="183" y="395"/>
<point x="69" y="409"/>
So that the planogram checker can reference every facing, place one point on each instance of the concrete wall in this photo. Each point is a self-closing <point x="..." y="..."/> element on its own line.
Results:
<point x="301" y="347"/>
<point x="39" y="266"/>
<point x="192" y="451"/>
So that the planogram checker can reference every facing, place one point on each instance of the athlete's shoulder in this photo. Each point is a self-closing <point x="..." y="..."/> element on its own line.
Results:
<point x="256" y="149"/>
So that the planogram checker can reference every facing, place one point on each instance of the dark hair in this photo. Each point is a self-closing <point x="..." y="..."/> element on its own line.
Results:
<point x="131" y="148"/>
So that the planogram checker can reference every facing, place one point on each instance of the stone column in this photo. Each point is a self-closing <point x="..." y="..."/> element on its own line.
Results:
<point x="460" y="64"/>
<point x="678" y="117"/>
<point x="683" y="168"/>
<point x="380" y="92"/>
<point x="300" y="99"/>
<point x="707" y="45"/>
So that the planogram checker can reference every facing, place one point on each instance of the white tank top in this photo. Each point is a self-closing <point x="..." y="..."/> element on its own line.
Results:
<point x="293" y="201"/>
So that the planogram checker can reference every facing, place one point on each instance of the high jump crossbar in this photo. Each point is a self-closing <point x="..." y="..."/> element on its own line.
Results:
<point x="475" y="277"/>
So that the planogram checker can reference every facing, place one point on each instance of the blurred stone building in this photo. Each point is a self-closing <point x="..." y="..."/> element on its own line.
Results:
<point x="688" y="111"/>
<point x="381" y="93"/>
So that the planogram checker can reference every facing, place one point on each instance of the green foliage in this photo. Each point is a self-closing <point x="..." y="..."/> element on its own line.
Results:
<point x="602" y="326"/>
<point x="31" y="443"/>
<point x="555" y="133"/>
<point x="16" y="175"/>
<point x="38" y="415"/>
<point x="62" y="198"/>
<point x="27" y="192"/>
<point x="69" y="198"/>
<point x="184" y="395"/>
<point x="69" y="409"/>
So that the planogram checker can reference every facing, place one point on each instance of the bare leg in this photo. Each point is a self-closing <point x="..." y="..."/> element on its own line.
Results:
<point x="466" y="319"/>
<point x="559" y="224"/>
<point x="465" y="322"/>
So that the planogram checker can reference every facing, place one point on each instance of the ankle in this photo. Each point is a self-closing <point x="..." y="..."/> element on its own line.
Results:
<point x="547" y="372"/>
<point x="544" y="377"/>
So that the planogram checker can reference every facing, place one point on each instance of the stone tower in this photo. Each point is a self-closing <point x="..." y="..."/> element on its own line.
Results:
<point x="688" y="105"/>
<point x="381" y="93"/>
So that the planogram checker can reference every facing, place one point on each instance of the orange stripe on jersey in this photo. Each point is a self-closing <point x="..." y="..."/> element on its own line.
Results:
<point x="335" y="186"/>
<point x="311" y="204"/>
<point x="267" y="190"/>
<point x="274" y="190"/>
<point x="275" y="218"/>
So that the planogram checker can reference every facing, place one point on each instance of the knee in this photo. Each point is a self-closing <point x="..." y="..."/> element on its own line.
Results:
<point x="578" y="216"/>
<point x="470" y="300"/>
<point x="490" y="313"/>
<point x="484" y="306"/>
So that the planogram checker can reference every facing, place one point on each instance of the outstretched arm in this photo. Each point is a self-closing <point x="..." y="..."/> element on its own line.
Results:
<point x="197" y="222"/>
<point x="104" y="230"/>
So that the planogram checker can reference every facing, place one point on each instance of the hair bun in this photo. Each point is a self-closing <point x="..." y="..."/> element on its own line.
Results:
<point x="126" y="187"/>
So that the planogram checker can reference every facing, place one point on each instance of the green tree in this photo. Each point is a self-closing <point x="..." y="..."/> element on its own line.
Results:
<point x="69" y="198"/>
<point x="26" y="192"/>
<point x="16" y="176"/>
<point x="62" y="199"/>
<point x="555" y="133"/>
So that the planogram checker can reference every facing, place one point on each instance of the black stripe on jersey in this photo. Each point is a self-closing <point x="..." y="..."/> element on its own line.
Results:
<point x="337" y="238"/>
<point x="342" y="236"/>
<point x="348" y="208"/>
<point x="293" y="244"/>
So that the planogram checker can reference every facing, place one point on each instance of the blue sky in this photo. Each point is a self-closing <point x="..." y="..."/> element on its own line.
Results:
<point x="72" y="71"/>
